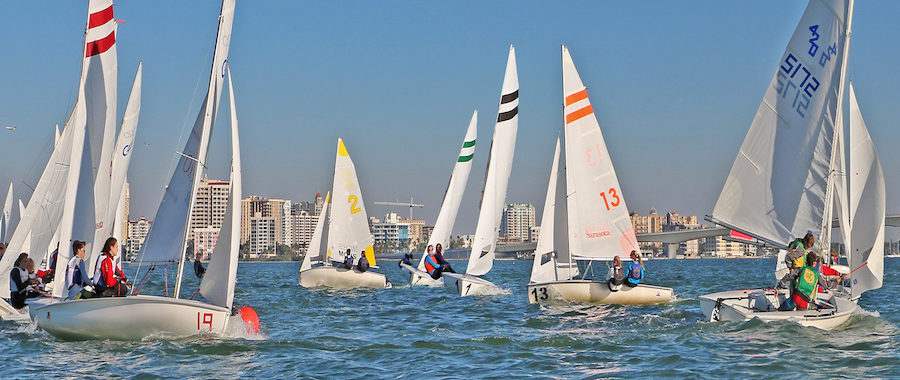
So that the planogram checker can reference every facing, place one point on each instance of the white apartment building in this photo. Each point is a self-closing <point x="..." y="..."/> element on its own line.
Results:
<point x="303" y="226"/>
<point x="517" y="221"/>
<point x="205" y="241"/>
<point x="209" y="207"/>
<point x="137" y="233"/>
<point x="279" y="209"/>
<point x="262" y="235"/>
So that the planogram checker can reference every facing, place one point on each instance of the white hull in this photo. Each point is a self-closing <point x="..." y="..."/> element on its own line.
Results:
<point x="597" y="292"/>
<point x="744" y="305"/>
<point x="9" y="313"/>
<point x="342" y="278"/>
<point x="466" y="284"/>
<point x="420" y="278"/>
<point x="131" y="318"/>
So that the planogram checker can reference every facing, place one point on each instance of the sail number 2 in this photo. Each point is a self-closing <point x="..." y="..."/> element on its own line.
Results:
<point x="353" y="200"/>
<point x="613" y="199"/>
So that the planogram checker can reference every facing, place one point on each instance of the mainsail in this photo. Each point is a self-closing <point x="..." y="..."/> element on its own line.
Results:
<point x="317" y="251"/>
<point x="165" y="244"/>
<point x="455" y="189"/>
<point x="218" y="282"/>
<point x="503" y="145"/>
<point x="867" y="206"/>
<point x="349" y="227"/>
<point x="599" y="223"/>
<point x="777" y="186"/>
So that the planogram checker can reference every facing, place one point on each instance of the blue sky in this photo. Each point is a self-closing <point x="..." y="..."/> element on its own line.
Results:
<point x="674" y="86"/>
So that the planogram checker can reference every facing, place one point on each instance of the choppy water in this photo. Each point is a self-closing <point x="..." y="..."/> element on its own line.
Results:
<point x="414" y="332"/>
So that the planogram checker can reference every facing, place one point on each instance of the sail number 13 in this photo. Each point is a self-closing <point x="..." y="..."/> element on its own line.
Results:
<point x="610" y="198"/>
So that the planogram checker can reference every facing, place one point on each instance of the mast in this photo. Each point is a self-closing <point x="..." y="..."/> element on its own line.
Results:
<point x="825" y="234"/>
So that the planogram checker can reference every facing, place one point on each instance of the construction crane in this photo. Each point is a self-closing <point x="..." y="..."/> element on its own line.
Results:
<point x="410" y="204"/>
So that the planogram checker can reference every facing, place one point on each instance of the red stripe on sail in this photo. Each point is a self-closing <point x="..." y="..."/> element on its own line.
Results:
<point x="101" y="45"/>
<point x="580" y="95"/>
<point x="99" y="18"/>
<point x="579" y="114"/>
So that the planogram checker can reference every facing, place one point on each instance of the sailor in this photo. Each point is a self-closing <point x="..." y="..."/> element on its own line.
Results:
<point x="19" y="283"/>
<point x="616" y="276"/>
<point x="108" y="280"/>
<point x="795" y="260"/>
<point x="49" y="274"/>
<point x="807" y="284"/>
<point x="407" y="259"/>
<point x="635" y="270"/>
<point x="77" y="281"/>
<point x="439" y="254"/>
<point x="435" y="265"/>
<point x="199" y="270"/>
<point x="363" y="264"/>
<point x="348" y="260"/>
<point x="36" y="284"/>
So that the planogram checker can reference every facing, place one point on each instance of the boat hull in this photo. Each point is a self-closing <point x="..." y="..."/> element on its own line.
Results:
<point x="744" y="305"/>
<point x="597" y="292"/>
<point x="467" y="285"/>
<point x="420" y="278"/>
<point x="130" y="318"/>
<point x="341" y="278"/>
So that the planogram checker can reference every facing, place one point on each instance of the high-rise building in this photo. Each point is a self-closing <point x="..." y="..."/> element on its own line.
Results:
<point x="416" y="235"/>
<point x="720" y="247"/>
<point x="319" y="202"/>
<point x="534" y="234"/>
<point x="205" y="241"/>
<point x="515" y="226"/>
<point x="137" y="233"/>
<point x="645" y="224"/>
<point x="303" y="227"/>
<point x="390" y="233"/>
<point x="262" y="235"/>
<point x="210" y="204"/>
<point x="278" y="209"/>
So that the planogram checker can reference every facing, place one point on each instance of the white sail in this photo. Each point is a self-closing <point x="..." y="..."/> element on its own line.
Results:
<point x="317" y="251"/>
<point x="553" y="244"/>
<point x="867" y="206"/>
<point x="100" y="74"/>
<point x="455" y="189"/>
<point x="6" y="216"/>
<point x="349" y="227"/>
<point x="56" y="135"/>
<point x="218" y="282"/>
<point x="121" y="220"/>
<point x="166" y="241"/>
<point x="777" y="186"/>
<point x="121" y="159"/>
<point x="493" y="197"/>
<point x="601" y="225"/>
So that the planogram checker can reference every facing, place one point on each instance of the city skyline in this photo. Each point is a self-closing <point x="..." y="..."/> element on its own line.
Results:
<point x="401" y="95"/>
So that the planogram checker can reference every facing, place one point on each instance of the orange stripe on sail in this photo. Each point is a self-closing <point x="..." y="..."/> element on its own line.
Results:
<point x="579" y="114"/>
<point x="580" y="95"/>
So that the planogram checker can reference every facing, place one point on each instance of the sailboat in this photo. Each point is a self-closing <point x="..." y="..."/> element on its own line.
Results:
<point x="348" y="229"/>
<point x="585" y="216"/>
<point x="74" y="184"/>
<point x="139" y="316"/>
<point x="788" y="173"/>
<point x="449" y="207"/>
<point x="503" y="145"/>
<point x="5" y="217"/>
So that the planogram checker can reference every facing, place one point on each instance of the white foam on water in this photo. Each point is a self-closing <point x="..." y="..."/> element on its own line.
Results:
<point x="491" y="291"/>
<point x="236" y="328"/>
<point x="860" y="311"/>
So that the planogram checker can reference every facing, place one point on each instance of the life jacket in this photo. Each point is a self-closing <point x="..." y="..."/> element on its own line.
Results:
<point x="800" y="246"/>
<point x="429" y="267"/>
<point x="348" y="262"/>
<point x="807" y="283"/>
<point x="363" y="264"/>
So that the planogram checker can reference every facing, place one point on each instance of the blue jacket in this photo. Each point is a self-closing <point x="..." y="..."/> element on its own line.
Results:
<point x="432" y="263"/>
<point x="635" y="272"/>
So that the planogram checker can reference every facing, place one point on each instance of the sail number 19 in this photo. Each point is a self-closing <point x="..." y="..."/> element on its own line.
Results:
<point x="613" y="199"/>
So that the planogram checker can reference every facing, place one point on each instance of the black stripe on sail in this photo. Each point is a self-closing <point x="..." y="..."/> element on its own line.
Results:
<point x="504" y="116"/>
<point x="509" y="97"/>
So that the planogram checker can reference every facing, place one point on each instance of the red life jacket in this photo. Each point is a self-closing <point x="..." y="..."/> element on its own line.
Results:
<point x="428" y="267"/>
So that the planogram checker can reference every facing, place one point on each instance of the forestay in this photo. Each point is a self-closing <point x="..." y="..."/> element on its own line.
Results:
<point x="318" y="250"/>
<point x="553" y="243"/>
<point x="455" y="189"/>
<point x="598" y="217"/>
<point x="503" y="144"/>
<point x="867" y="206"/>
<point x="776" y="189"/>
<point x="349" y="227"/>
<point x="218" y="282"/>
<point x="165" y="242"/>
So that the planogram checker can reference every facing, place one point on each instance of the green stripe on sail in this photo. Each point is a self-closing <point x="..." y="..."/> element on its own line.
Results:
<point x="465" y="158"/>
<point x="469" y="144"/>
